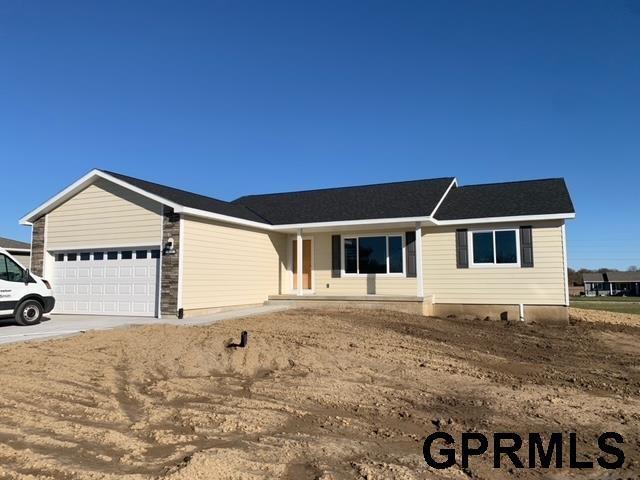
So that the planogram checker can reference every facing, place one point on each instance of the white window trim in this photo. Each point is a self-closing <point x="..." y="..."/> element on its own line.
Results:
<point x="473" y="264"/>
<point x="402" y="274"/>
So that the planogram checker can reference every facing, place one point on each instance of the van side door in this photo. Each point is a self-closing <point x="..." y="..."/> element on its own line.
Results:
<point x="12" y="286"/>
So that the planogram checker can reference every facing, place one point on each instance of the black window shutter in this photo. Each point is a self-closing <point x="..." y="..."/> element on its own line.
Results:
<point x="410" y="238"/>
<point x="526" y="247"/>
<point x="335" y="256"/>
<point x="462" y="250"/>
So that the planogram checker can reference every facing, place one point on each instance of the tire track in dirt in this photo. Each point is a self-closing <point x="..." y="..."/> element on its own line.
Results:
<point x="347" y="394"/>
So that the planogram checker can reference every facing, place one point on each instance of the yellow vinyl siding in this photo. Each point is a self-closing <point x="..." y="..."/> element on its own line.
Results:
<point x="541" y="285"/>
<point x="103" y="215"/>
<point x="226" y="265"/>
<point x="352" y="285"/>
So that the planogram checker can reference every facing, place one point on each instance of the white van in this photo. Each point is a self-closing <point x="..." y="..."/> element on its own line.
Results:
<point x="23" y="295"/>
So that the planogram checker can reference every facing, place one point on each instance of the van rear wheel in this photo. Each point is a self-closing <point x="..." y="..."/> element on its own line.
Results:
<point x="29" y="313"/>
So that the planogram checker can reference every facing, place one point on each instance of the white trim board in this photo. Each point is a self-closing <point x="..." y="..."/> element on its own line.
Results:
<point x="565" y="265"/>
<point x="181" y="264"/>
<point x="453" y="183"/>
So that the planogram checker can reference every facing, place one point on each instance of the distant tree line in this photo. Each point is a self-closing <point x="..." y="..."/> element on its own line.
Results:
<point x="575" y="276"/>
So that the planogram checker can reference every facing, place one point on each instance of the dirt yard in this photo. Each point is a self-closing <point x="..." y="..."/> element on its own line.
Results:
<point x="314" y="396"/>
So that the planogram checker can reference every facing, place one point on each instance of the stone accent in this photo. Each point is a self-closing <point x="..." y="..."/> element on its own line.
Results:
<point x="170" y="264"/>
<point x="37" y="246"/>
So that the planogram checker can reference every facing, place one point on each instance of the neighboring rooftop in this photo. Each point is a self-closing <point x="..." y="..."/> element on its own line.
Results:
<point x="510" y="199"/>
<point x="617" y="277"/>
<point x="9" y="244"/>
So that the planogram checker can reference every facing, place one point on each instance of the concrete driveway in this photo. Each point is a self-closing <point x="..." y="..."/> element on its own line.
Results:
<point x="65" y="325"/>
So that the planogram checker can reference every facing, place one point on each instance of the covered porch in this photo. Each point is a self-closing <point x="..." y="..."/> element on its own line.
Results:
<point x="368" y="263"/>
<point x="401" y="303"/>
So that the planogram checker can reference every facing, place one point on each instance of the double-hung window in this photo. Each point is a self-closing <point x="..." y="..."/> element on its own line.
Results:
<point x="373" y="254"/>
<point x="494" y="247"/>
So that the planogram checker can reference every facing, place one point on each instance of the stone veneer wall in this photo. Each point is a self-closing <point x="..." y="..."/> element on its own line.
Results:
<point x="170" y="264"/>
<point x="37" y="246"/>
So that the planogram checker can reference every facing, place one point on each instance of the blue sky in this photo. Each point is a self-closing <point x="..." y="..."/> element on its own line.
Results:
<point x="232" y="97"/>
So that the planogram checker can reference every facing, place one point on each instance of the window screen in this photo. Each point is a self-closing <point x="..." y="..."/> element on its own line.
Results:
<point x="372" y="254"/>
<point x="395" y="254"/>
<point x="506" y="248"/>
<point x="483" y="247"/>
<point x="350" y="255"/>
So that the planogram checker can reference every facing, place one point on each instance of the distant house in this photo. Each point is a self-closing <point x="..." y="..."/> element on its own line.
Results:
<point x="21" y="251"/>
<point x="612" y="283"/>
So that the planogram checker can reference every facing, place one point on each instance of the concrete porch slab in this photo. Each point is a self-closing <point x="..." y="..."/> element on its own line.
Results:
<point x="349" y="298"/>
<point x="402" y="303"/>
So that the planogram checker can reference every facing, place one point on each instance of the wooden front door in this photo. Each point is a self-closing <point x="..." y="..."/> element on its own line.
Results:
<point x="306" y="264"/>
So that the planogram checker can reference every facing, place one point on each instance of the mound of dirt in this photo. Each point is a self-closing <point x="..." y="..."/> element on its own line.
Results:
<point x="315" y="395"/>
<point x="601" y="316"/>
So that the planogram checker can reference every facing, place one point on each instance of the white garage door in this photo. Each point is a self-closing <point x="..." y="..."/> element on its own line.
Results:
<point x="106" y="282"/>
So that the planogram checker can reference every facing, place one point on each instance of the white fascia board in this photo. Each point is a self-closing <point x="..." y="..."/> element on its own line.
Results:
<point x="79" y="185"/>
<point x="350" y="223"/>
<point x="17" y="249"/>
<point x="194" y="212"/>
<point x="222" y="218"/>
<point x="520" y="218"/>
<point x="454" y="182"/>
<point x="295" y="226"/>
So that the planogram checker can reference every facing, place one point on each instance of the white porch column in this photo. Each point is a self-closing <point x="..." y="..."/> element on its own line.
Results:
<point x="299" y="261"/>
<point x="419" y="277"/>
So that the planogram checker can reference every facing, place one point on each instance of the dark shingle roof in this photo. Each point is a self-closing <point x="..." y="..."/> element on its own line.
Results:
<point x="593" y="277"/>
<point x="192" y="200"/>
<point x="623" y="276"/>
<point x="618" y="277"/>
<point x="8" y="244"/>
<point x="531" y="197"/>
<point x="416" y="198"/>
<point x="386" y="200"/>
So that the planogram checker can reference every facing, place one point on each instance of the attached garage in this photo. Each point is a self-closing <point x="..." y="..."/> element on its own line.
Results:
<point x="100" y="244"/>
<point x="107" y="281"/>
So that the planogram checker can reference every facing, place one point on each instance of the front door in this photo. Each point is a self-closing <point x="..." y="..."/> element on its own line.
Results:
<point x="306" y="264"/>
